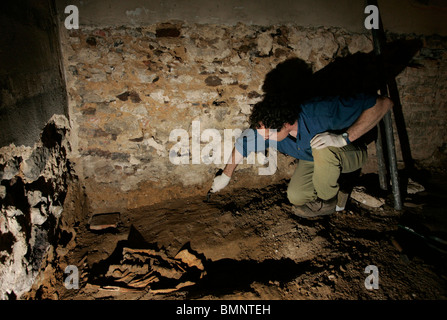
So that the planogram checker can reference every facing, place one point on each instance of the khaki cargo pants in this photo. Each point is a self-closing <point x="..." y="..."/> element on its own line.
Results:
<point x="320" y="178"/>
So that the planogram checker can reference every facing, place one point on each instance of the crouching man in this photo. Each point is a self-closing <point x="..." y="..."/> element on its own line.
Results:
<point x="323" y="133"/>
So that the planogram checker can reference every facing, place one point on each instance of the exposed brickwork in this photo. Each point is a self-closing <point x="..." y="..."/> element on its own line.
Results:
<point x="423" y="92"/>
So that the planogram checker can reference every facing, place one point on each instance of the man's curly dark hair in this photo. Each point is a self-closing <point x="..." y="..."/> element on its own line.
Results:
<point x="274" y="111"/>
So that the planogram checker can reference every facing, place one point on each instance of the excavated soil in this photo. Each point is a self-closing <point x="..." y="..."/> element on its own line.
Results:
<point x="252" y="247"/>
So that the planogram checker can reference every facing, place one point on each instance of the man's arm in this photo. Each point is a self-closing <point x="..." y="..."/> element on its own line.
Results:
<point x="222" y="181"/>
<point x="236" y="158"/>
<point x="367" y="120"/>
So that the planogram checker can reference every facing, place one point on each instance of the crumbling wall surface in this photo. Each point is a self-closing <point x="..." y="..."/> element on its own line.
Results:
<point x="130" y="88"/>
<point x="34" y="184"/>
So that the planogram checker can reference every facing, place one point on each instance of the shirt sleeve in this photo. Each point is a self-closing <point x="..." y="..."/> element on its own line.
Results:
<point x="346" y="110"/>
<point x="250" y="141"/>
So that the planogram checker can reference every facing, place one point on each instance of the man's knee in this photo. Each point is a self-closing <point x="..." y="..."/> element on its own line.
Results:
<point x="325" y="156"/>
<point x="299" y="196"/>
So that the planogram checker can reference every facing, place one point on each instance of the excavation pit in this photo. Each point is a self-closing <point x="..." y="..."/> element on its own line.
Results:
<point x="251" y="247"/>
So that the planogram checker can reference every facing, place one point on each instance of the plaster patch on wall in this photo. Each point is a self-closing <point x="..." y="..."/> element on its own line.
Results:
<point x="31" y="205"/>
<point x="136" y="12"/>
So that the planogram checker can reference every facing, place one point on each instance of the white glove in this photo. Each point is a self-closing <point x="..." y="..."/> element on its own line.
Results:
<point x="220" y="182"/>
<point x="327" y="139"/>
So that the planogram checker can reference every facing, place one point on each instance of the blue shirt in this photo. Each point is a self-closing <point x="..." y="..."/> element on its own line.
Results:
<point x="316" y="116"/>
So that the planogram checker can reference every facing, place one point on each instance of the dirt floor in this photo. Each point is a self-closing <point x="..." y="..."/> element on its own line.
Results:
<point x="248" y="245"/>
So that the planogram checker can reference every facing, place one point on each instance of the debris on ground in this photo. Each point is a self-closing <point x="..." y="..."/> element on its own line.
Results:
<point x="246" y="244"/>
<point x="152" y="269"/>
<point x="359" y="194"/>
<point x="413" y="187"/>
<point x="102" y="221"/>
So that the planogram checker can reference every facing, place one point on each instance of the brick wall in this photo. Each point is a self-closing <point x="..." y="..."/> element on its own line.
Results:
<point x="423" y="93"/>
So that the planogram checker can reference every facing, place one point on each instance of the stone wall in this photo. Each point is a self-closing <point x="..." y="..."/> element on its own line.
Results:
<point x="129" y="88"/>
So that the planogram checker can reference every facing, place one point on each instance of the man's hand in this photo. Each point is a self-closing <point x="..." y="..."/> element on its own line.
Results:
<point x="327" y="139"/>
<point x="220" y="182"/>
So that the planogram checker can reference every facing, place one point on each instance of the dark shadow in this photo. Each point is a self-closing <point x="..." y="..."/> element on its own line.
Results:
<point x="136" y="240"/>
<point x="348" y="75"/>
<point x="291" y="78"/>
<point x="356" y="73"/>
<point x="229" y="276"/>
<point x="418" y="240"/>
<point x="361" y="72"/>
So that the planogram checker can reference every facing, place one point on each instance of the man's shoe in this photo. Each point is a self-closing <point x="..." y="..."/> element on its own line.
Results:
<point x="315" y="208"/>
